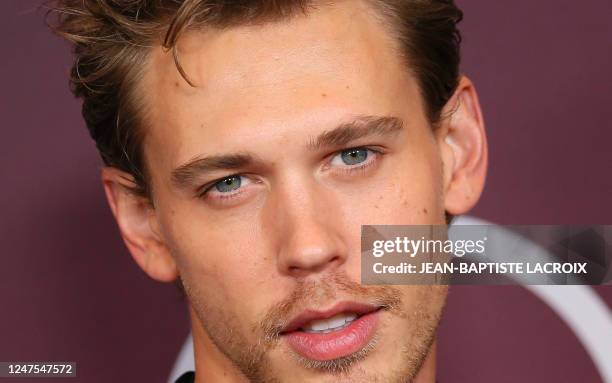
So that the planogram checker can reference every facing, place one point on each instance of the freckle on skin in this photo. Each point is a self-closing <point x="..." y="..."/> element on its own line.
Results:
<point x="424" y="210"/>
<point x="176" y="84"/>
<point x="323" y="95"/>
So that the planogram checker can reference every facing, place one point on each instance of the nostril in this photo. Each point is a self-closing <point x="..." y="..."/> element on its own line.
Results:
<point x="301" y="265"/>
<point x="335" y="259"/>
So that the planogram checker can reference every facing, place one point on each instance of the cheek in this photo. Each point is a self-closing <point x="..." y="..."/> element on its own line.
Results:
<point x="409" y="191"/>
<point x="402" y="195"/>
<point x="222" y="262"/>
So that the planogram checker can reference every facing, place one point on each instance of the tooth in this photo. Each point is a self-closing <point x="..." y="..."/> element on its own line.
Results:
<point x="335" y="322"/>
<point x="330" y="324"/>
<point x="317" y="325"/>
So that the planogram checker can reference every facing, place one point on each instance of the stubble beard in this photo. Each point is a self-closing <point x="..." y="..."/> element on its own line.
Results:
<point x="252" y="359"/>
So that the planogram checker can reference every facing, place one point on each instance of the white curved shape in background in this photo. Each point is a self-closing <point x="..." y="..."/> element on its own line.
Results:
<point x="589" y="318"/>
<point x="184" y="361"/>
<point x="584" y="312"/>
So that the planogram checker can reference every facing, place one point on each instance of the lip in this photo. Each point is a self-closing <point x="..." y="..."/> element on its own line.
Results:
<point x="336" y="344"/>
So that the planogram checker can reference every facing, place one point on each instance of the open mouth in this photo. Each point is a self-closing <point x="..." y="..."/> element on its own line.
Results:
<point x="324" y="326"/>
<point x="338" y="332"/>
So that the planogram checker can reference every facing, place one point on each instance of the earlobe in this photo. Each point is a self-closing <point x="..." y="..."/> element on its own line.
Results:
<point x="463" y="147"/>
<point x="133" y="214"/>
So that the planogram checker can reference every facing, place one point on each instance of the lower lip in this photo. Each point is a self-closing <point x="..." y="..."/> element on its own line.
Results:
<point x="335" y="344"/>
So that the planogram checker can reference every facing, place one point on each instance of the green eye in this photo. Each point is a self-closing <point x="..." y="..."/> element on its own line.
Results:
<point x="228" y="184"/>
<point x="354" y="156"/>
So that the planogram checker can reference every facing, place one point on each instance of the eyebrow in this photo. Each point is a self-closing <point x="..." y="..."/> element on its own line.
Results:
<point x="186" y="174"/>
<point x="360" y="127"/>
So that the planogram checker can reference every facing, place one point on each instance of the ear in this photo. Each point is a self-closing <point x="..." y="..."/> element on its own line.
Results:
<point x="137" y="221"/>
<point x="463" y="146"/>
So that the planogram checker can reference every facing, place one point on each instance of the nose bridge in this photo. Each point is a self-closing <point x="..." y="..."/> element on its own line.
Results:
<point x="310" y="227"/>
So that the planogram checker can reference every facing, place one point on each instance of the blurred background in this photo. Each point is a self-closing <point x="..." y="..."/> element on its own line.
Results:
<point x="69" y="290"/>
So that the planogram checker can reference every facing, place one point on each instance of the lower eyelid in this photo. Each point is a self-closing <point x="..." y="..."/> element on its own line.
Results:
<point x="368" y="162"/>
<point x="224" y="197"/>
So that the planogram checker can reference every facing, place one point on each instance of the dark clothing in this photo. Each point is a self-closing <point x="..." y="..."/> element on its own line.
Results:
<point x="187" y="377"/>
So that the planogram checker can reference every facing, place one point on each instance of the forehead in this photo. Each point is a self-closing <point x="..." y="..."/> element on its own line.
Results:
<point x="297" y="76"/>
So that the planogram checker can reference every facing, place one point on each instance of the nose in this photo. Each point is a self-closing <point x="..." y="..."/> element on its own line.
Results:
<point x="309" y="224"/>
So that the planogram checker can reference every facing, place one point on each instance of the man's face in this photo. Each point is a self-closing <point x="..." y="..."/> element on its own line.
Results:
<point x="295" y="134"/>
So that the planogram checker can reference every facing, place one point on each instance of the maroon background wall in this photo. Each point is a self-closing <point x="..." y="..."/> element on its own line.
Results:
<point x="69" y="290"/>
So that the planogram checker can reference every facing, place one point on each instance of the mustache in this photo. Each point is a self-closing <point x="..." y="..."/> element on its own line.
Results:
<point x="310" y="294"/>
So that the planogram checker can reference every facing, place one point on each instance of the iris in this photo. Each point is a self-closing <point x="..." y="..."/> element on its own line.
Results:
<point x="354" y="156"/>
<point x="228" y="184"/>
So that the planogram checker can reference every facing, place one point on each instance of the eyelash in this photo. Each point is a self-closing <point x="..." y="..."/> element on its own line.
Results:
<point x="203" y="192"/>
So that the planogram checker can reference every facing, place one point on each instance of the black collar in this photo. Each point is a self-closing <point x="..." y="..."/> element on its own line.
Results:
<point x="188" y="377"/>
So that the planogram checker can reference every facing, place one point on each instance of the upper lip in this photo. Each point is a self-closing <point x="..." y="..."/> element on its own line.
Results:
<point x="310" y="315"/>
